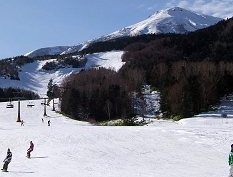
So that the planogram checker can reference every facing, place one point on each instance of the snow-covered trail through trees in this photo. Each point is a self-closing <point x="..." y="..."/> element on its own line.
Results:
<point x="196" y="147"/>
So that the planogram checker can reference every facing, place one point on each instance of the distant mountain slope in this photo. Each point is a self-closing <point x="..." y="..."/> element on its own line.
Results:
<point x="173" y="20"/>
<point x="47" y="51"/>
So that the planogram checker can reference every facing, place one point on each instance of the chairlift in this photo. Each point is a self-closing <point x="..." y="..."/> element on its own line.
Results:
<point x="9" y="105"/>
<point x="42" y="103"/>
<point x="30" y="104"/>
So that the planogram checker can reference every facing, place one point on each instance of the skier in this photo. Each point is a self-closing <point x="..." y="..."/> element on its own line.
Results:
<point x="22" y="123"/>
<point x="49" y="123"/>
<point x="42" y="120"/>
<point x="230" y="161"/>
<point x="7" y="160"/>
<point x="30" y="149"/>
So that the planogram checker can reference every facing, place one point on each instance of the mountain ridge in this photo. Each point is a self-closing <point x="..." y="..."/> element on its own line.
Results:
<point x="171" y="20"/>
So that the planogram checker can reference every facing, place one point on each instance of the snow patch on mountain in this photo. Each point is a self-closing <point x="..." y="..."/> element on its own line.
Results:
<point x="111" y="60"/>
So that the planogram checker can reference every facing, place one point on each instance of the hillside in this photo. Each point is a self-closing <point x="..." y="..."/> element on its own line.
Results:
<point x="33" y="77"/>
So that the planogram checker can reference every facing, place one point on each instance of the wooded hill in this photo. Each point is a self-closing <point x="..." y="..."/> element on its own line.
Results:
<point x="192" y="71"/>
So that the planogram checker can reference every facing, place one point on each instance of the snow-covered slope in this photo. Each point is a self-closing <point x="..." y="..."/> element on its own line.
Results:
<point x="105" y="59"/>
<point x="47" y="51"/>
<point x="173" y="20"/>
<point x="33" y="78"/>
<point x="195" y="147"/>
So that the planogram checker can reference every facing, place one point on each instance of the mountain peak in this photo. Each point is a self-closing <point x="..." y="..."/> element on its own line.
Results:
<point x="169" y="10"/>
<point x="176" y="9"/>
<point x="172" y="20"/>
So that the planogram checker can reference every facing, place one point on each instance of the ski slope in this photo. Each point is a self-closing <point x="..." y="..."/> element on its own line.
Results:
<point x="33" y="78"/>
<point x="195" y="147"/>
<point x="110" y="60"/>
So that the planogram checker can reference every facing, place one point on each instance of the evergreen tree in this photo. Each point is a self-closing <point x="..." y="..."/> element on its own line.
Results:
<point x="50" y="93"/>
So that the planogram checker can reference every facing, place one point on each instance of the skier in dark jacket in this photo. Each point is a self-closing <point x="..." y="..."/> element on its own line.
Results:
<point x="7" y="160"/>
<point x="30" y="149"/>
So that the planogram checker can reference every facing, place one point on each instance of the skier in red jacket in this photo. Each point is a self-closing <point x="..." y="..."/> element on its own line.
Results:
<point x="30" y="149"/>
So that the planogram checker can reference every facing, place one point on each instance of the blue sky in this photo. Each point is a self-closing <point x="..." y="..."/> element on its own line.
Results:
<point x="31" y="24"/>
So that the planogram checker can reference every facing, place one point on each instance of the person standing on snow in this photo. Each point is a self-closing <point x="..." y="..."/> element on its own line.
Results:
<point x="7" y="160"/>
<point x="30" y="149"/>
<point x="230" y="161"/>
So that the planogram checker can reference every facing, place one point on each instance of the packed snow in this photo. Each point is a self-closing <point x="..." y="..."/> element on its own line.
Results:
<point x="33" y="78"/>
<point x="195" y="147"/>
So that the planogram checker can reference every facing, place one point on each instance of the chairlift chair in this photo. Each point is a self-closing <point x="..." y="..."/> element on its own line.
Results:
<point x="42" y="103"/>
<point x="9" y="105"/>
<point x="30" y="104"/>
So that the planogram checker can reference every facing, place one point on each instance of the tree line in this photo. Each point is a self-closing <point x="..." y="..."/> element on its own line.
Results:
<point x="8" y="93"/>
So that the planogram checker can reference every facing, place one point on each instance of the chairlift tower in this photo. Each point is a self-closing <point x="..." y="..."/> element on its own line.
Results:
<point x="18" y="119"/>
<point x="45" y="113"/>
<point x="19" y="112"/>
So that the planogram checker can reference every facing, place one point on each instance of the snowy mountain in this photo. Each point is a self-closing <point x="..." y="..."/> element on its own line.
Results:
<point x="47" y="51"/>
<point x="173" y="20"/>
